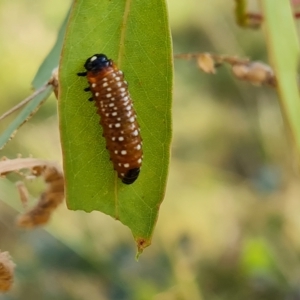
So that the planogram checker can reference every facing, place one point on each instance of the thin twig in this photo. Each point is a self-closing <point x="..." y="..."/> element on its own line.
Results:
<point x="218" y="58"/>
<point x="254" y="72"/>
<point x="25" y="101"/>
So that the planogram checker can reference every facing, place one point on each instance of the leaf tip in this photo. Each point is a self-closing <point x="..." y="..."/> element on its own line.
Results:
<point x="141" y="243"/>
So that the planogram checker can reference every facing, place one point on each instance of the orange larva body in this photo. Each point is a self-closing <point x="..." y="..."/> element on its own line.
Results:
<point x="117" y="116"/>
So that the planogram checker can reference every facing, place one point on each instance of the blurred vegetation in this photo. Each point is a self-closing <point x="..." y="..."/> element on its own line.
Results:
<point x="229" y="226"/>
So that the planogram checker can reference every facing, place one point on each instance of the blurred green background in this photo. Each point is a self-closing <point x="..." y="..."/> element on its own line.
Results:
<point x="229" y="227"/>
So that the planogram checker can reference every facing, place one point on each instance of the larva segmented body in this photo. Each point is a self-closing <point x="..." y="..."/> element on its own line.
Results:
<point x="117" y="115"/>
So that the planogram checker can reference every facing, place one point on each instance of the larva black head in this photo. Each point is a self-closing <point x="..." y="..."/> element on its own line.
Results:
<point x="131" y="176"/>
<point x="97" y="62"/>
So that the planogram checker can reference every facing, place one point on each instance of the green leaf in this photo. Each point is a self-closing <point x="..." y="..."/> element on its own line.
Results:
<point x="135" y="34"/>
<point x="240" y="12"/>
<point x="24" y="116"/>
<point x="283" y="47"/>
<point x="41" y="78"/>
<point x="51" y="62"/>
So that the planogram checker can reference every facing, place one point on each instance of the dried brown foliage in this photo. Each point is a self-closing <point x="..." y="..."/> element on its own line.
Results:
<point x="254" y="72"/>
<point x="6" y="272"/>
<point x="48" y="200"/>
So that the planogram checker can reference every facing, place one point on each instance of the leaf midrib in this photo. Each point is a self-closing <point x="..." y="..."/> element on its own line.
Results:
<point x="120" y="55"/>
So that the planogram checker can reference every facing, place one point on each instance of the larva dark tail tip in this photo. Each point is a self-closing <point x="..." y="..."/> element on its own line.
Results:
<point x="82" y="73"/>
<point x="131" y="176"/>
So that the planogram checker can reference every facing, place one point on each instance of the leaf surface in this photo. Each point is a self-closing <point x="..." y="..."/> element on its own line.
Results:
<point x="135" y="34"/>
<point x="283" y="47"/>
<point x="41" y="78"/>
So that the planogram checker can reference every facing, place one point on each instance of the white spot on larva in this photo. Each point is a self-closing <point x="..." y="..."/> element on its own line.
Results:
<point x="113" y="138"/>
<point x="123" y="152"/>
<point x="128" y="107"/>
<point x="128" y="114"/>
<point x="126" y="165"/>
<point x="122" y="174"/>
<point x="104" y="79"/>
<point x="123" y="94"/>
<point x="125" y="103"/>
<point x="112" y="99"/>
<point x="113" y="75"/>
<point x="108" y="89"/>
<point x="108" y="95"/>
<point x="97" y="94"/>
<point x="125" y="82"/>
<point x="138" y="147"/>
<point x="114" y="113"/>
<point x="119" y="164"/>
<point x="119" y="84"/>
<point x="103" y="109"/>
<point x="121" y="138"/>
<point x="105" y="84"/>
<point x="122" y="90"/>
<point x="122" y="132"/>
<point x="107" y="115"/>
<point x="117" y="125"/>
<point x="118" y="78"/>
<point x="125" y="98"/>
<point x="94" y="85"/>
<point x="116" y="151"/>
<point x="118" y="119"/>
<point x="135" y="133"/>
<point x="115" y="108"/>
<point x="111" y="104"/>
<point x="120" y="72"/>
<point x="93" y="58"/>
<point x="131" y="119"/>
<point x="110" y="125"/>
<point x="139" y="160"/>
